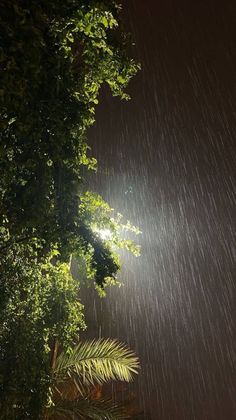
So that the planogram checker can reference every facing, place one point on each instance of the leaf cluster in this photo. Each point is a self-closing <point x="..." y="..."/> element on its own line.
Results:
<point x="54" y="61"/>
<point x="54" y="58"/>
<point x="38" y="303"/>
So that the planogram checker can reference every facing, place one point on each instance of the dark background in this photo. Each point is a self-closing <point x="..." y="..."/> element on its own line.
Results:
<point x="167" y="162"/>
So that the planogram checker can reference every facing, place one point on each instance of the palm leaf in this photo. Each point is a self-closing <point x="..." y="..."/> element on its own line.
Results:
<point x="86" y="409"/>
<point x="96" y="361"/>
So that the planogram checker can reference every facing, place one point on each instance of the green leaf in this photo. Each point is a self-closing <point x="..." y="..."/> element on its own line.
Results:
<point x="97" y="362"/>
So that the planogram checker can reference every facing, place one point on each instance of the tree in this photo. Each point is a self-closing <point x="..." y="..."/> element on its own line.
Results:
<point x="54" y="58"/>
<point x="39" y="302"/>
<point x="40" y="307"/>
<point x="76" y="374"/>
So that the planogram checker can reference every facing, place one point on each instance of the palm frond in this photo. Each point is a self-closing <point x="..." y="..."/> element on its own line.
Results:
<point x="86" y="409"/>
<point x="96" y="361"/>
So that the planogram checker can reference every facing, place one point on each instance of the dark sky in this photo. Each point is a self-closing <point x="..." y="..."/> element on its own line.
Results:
<point x="167" y="162"/>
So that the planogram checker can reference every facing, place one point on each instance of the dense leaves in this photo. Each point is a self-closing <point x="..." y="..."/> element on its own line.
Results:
<point x="54" y="57"/>
<point x="38" y="302"/>
<point x="53" y="65"/>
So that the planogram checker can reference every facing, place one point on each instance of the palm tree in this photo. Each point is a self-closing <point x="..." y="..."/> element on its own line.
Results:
<point x="76" y="374"/>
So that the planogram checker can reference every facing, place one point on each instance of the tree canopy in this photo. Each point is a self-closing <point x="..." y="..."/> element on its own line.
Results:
<point x="54" y="58"/>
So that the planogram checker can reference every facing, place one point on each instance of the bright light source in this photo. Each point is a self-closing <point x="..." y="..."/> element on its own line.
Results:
<point x="104" y="234"/>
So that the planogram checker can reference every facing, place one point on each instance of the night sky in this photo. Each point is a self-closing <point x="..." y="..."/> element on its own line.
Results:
<point x="167" y="162"/>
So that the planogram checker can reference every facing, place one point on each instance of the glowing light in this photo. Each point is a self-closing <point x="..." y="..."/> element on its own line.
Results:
<point x="104" y="234"/>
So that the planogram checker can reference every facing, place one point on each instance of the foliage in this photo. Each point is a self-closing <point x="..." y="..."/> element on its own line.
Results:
<point x="89" y="363"/>
<point x="106" y="232"/>
<point x="54" y="60"/>
<point x="96" y="362"/>
<point x="86" y="409"/>
<point x="39" y="302"/>
<point x="54" y="57"/>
